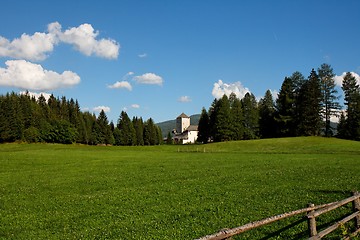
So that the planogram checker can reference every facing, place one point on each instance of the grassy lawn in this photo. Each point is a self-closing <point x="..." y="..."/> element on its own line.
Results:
<point x="168" y="192"/>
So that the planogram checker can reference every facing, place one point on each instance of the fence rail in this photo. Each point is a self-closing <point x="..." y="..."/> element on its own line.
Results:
<point x="311" y="211"/>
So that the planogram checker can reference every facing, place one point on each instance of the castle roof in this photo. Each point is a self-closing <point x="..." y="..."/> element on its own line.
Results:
<point x="192" y="128"/>
<point x="183" y="115"/>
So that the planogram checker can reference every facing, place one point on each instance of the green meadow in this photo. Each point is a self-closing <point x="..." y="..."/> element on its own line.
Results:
<point x="50" y="191"/>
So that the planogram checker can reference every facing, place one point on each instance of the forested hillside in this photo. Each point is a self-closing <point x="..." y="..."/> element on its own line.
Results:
<point x="25" y="118"/>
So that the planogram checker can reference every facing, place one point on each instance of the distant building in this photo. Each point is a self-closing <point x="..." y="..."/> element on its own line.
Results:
<point x="184" y="132"/>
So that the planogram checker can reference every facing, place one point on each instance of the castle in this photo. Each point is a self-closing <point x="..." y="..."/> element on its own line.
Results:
<point x="184" y="132"/>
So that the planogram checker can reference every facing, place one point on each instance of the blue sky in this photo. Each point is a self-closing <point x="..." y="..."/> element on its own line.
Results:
<point x="161" y="58"/>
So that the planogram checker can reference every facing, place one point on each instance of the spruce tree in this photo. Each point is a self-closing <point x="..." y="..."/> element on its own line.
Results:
<point x="352" y="101"/>
<point x="127" y="131"/>
<point x="285" y="106"/>
<point x="237" y="117"/>
<point x="330" y="103"/>
<point x="139" y="130"/>
<point x="222" y="120"/>
<point x="203" y="127"/>
<point x="103" y="131"/>
<point x="150" y="132"/>
<point x="251" y="116"/>
<point x="267" y="124"/>
<point x="310" y="100"/>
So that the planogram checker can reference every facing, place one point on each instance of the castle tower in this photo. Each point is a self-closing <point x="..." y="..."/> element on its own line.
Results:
<point x="182" y="123"/>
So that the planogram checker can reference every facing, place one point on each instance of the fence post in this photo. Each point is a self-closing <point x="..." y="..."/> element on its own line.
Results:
<point x="356" y="207"/>
<point x="312" y="222"/>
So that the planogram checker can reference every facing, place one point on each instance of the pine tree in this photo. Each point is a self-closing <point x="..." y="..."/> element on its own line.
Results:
<point x="203" y="127"/>
<point x="139" y="130"/>
<point x="298" y="80"/>
<point x="330" y="103"/>
<point x="267" y="123"/>
<point x="159" y="138"/>
<point x="310" y="99"/>
<point x="237" y="117"/>
<point x="285" y="106"/>
<point x="352" y="101"/>
<point x="127" y="130"/>
<point x="103" y="131"/>
<point x="150" y="134"/>
<point x="251" y="116"/>
<point x="222" y="120"/>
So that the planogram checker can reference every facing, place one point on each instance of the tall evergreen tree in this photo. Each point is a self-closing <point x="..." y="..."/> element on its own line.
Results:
<point x="310" y="98"/>
<point x="127" y="130"/>
<point x="139" y="130"/>
<point x="285" y="106"/>
<point x="251" y="116"/>
<point x="267" y="124"/>
<point x="352" y="101"/>
<point x="150" y="137"/>
<point x="298" y="81"/>
<point x="237" y="117"/>
<point x="104" y="134"/>
<point x="330" y="103"/>
<point x="203" y="127"/>
<point x="222" y="120"/>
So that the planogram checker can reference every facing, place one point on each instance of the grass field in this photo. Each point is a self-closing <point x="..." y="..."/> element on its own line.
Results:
<point x="169" y="192"/>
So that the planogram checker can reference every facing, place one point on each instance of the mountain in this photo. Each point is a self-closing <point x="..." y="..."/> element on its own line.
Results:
<point x="168" y="126"/>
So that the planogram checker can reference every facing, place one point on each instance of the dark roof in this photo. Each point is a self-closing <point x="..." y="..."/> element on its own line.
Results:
<point x="192" y="128"/>
<point x="183" y="115"/>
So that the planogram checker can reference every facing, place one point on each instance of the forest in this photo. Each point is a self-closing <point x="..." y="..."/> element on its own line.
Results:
<point x="25" y="118"/>
<point x="304" y="107"/>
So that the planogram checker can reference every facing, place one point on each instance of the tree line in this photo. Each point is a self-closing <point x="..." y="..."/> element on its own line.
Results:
<point x="304" y="107"/>
<point x="58" y="120"/>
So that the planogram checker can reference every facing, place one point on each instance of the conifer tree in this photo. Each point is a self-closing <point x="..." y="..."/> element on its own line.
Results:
<point x="285" y="106"/>
<point x="127" y="131"/>
<point x="310" y="99"/>
<point x="150" y="134"/>
<point x="222" y="120"/>
<point x="330" y="103"/>
<point x="251" y="116"/>
<point x="104" y="134"/>
<point x="352" y="101"/>
<point x="267" y="124"/>
<point x="237" y="117"/>
<point x="203" y="127"/>
<point x="139" y="130"/>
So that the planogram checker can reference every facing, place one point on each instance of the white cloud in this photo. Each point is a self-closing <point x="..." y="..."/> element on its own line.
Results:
<point x="122" y="84"/>
<point x="135" y="105"/>
<point x="37" y="95"/>
<point x="184" y="99"/>
<point x="99" y="108"/>
<point x="26" y="75"/>
<point x="83" y="38"/>
<point x="127" y="76"/>
<point x="36" y="47"/>
<point x="339" y="79"/>
<point x="149" y="78"/>
<point x="220" y="88"/>
<point x="143" y="55"/>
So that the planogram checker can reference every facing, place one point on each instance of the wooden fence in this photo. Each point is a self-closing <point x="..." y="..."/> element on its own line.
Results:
<point x="311" y="211"/>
